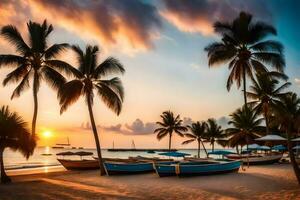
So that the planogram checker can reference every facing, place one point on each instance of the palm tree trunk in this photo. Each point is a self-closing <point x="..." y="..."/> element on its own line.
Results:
<point x="102" y="170"/>
<point x="35" y="102"/>
<point x="4" y="177"/>
<point x="170" y="137"/>
<point x="267" y="121"/>
<point x="292" y="157"/>
<point x="198" y="148"/>
<point x="213" y="146"/>
<point x="204" y="149"/>
<point x="244" y="83"/>
<point x="237" y="149"/>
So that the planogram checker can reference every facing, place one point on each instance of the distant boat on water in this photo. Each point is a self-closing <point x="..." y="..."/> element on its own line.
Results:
<point x="62" y="145"/>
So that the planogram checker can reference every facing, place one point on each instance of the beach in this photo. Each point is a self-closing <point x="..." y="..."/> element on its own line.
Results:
<point x="257" y="182"/>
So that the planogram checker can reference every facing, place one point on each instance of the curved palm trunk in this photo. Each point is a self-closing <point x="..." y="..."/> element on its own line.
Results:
<point x="292" y="157"/>
<point x="237" y="149"/>
<point x="266" y="120"/>
<point x="102" y="170"/>
<point x="35" y="102"/>
<point x="204" y="149"/>
<point x="4" y="177"/>
<point x="244" y="84"/>
<point x="198" y="148"/>
<point x="170" y="137"/>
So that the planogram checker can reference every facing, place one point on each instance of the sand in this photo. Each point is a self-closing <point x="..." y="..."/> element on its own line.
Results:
<point x="257" y="182"/>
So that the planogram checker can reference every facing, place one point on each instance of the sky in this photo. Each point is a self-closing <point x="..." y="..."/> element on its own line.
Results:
<point x="161" y="44"/>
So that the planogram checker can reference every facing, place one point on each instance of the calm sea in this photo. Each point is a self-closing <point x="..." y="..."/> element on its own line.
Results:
<point x="15" y="160"/>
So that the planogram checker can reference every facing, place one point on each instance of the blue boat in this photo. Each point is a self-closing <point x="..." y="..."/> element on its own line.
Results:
<point x="197" y="168"/>
<point x="127" y="168"/>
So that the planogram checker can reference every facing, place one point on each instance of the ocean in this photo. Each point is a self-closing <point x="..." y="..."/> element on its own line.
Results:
<point x="15" y="160"/>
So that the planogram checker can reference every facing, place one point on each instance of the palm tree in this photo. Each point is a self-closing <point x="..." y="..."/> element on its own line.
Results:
<point x="89" y="79"/>
<point x="169" y="125"/>
<point x="214" y="133"/>
<point x="246" y="127"/>
<point x="244" y="48"/>
<point x="34" y="60"/>
<point x="265" y="92"/>
<point x="198" y="133"/>
<point x="14" y="134"/>
<point x="287" y="115"/>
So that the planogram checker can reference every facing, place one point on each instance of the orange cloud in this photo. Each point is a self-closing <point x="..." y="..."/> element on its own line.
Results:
<point x="198" y="16"/>
<point x="128" y="26"/>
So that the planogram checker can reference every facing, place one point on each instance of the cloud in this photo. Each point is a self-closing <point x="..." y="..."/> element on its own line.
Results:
<point x="223" y="121"/>
<point x="199" y="15"/>
<point x="137" y="127"/>
<point x="297" y="81"/>
<point x="127" y="25"/>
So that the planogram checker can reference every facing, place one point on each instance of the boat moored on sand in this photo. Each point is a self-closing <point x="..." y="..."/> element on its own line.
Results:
<point x="197" y="168"/>
<point x="256" y="159"/>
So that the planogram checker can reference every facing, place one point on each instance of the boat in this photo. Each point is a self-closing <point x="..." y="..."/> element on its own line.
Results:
<point x="79" y="164"/>
<point x="46" y="154"/>
<point x="256" y="159"/>
<point x="197" y="168"/>
<point x="62" y="145"/>
<point x="127" y="168"/>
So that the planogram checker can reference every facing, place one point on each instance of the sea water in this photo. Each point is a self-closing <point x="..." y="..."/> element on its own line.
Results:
<point x="46" y="156"/>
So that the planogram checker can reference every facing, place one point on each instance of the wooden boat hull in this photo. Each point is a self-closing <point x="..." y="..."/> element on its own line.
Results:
<point x="193" y="169"/>
<point x="79" y="164"/>
<point x="127" y="168"/>
<point x="259" y="160"/>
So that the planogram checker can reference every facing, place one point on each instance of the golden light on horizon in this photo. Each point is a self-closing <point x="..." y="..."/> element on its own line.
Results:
<point x="47" y="134"/>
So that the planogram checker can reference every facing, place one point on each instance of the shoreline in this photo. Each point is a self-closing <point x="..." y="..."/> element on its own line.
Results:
<point x="275" y="181"/>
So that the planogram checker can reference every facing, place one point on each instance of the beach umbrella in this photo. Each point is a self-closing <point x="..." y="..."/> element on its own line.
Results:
<point x="279" y="148"/>
<point x="271" y="138"/>
<point x="254" y="146"/>
<point x="220" y="152"/>
<point x="296" y="147"/>
<point x="174" y="154"/>
<point x="296" y="139"/>
<point x="83" y="153"/>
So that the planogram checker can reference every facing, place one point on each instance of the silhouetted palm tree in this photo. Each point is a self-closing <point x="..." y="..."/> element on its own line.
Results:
<point x="214" y="133"/>
<point x="33" y="61"/>
<point x="15" y="135"/>
<point x="169" y="125"/>
<point x="244" y="48"/>
<point x="287" y="115"/>
<point x="246" y="127"/>
<point x="198" y="133"/>
<point x="89" y="79"/>
<point x="265" y="91"/>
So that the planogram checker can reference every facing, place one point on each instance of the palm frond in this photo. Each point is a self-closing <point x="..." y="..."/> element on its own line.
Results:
<point x="53" y="78"/>
<point x="11" y="60"/>
<point x="109" y="66"/>
<point x="64" y="67"/>
<point x="69" y="93"/>
<point x="11" y="34"/>
<point x="24" y="84"/>
<point x="111" y="96"/>
<point x="188" y="141"/>
<point x="55" y="50"/>
<point x="16" y="74"/>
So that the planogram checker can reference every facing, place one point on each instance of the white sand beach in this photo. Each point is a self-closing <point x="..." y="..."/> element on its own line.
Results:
<point x="257" y="182"/>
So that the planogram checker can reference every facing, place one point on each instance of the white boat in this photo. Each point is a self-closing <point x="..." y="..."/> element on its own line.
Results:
<point x="256" y="159"/>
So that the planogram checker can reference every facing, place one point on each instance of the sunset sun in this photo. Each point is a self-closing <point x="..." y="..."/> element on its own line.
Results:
<point x="47" y="134"/>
